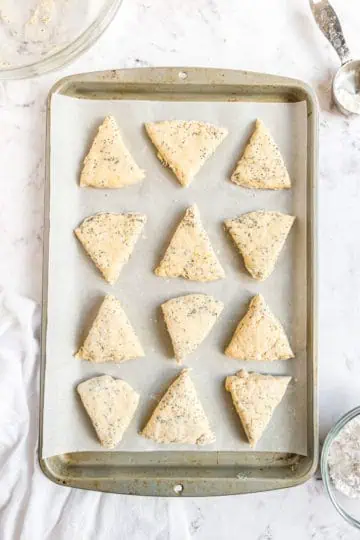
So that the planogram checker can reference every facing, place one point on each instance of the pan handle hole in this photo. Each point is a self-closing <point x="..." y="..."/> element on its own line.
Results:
<point x="182" y="75"/>
<point x="178" y="488"/>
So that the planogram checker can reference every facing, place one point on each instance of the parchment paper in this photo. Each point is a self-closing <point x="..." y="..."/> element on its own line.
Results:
<point x="76" y="288"/>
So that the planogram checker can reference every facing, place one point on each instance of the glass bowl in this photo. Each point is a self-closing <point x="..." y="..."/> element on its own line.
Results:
<point x="347" y="507"/>
<point x="38" y="36"/>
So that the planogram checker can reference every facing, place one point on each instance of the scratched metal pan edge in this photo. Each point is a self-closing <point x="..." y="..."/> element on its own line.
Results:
<point x="192" y="473"/>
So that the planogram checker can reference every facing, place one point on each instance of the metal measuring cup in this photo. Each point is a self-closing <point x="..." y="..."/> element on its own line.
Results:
<point x="346" y="83"/>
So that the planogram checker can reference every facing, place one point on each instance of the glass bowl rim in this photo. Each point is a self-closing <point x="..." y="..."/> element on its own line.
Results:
<point x="331" y="436"/>
<point x="71" y="51"/>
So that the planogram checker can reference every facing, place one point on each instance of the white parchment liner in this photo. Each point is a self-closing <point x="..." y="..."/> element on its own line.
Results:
<point x="76" y="287"/>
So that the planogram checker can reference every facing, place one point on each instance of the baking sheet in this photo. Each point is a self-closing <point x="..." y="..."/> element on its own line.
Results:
<point x="76" y="289"/>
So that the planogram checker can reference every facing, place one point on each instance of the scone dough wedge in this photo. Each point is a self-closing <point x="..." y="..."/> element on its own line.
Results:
<point x="190" y="254"/>
<point x="109" y="240"/>
<point x="259" y="335"/>
<point x="111" y="337"/>
<point x="179" y="417"/>
<point x="184" y="146"/>
<point x="256" y="397"/>
<point x="260" y="237"/>
<point x="189" y="319"/>
<point x="109" y="163"/>
<point x="261" y="165"/>
<point x="111" y="405"/>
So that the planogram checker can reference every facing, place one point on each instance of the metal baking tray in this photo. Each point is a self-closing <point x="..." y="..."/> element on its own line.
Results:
<point x="198" y="473"/>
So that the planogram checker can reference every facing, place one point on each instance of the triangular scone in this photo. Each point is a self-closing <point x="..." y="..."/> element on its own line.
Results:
<point x="260" y="237"/>
<point x="261" y="165"/>
<point x="259" y="335"/>
<point x="109" y="163"/>
<point x="190" y="254"/>
<point x="255" y="397"/>
<point x="179" y="417"/>
<point x="189" y="319"/>
<point x="185" y="146"/>
<point x="109" y="240"/>
<point x="111" y="337"/>
<point x="110" y="404"/>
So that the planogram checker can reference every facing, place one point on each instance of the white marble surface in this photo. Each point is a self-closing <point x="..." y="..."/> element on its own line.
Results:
<point x="279" y="37"/>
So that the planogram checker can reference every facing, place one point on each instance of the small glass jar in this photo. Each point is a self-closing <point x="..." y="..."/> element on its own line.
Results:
<point x="348" y="508"/>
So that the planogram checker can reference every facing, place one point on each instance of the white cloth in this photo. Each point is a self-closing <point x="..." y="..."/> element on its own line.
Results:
<point x="32" y="507"/>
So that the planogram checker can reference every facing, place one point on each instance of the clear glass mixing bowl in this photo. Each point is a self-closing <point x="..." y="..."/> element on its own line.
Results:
<point x="348" y="508"/>
<point x="37" y="36"/>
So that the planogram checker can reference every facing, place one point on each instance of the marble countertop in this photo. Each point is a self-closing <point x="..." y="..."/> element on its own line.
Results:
<point x="276" y="37"/>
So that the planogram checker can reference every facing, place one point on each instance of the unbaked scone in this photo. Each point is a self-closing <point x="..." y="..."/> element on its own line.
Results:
<point x="190" y="254"/>
<point x="109" y="163"/>
<point x="259" y="335"/>
<point x="111" y="405"/>
<point x="261" y="165"/>
<point x="111" y="337"/>
<point x="179" y="417"/>
<point x="255" y="397"/>
<point x="109" y="240"/>
<point x="184" y="146"/>
<point x="189" y="319"/>
<point x="260" y="237"/>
